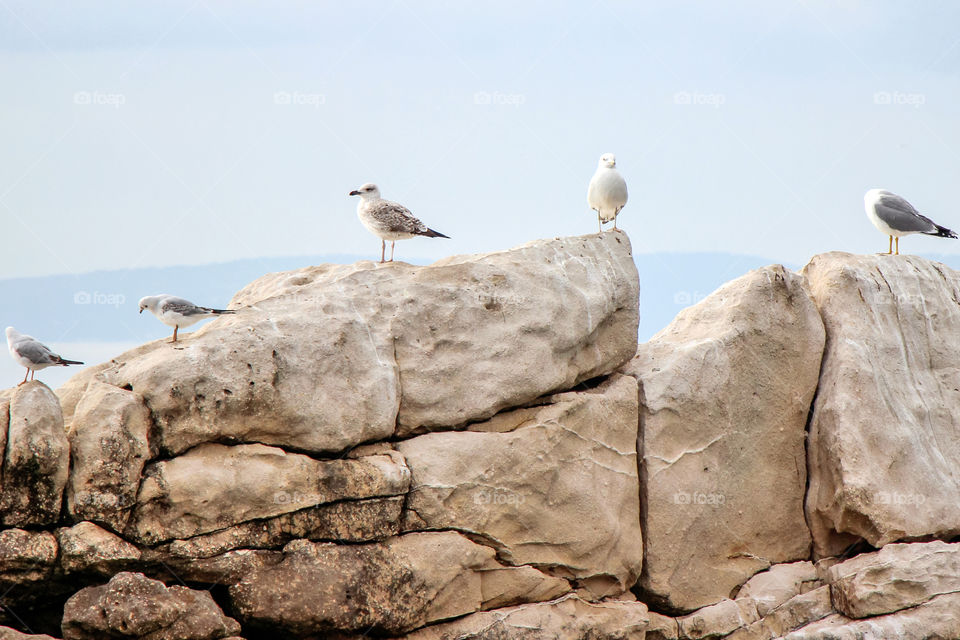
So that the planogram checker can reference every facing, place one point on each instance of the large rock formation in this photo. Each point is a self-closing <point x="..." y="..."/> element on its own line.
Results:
<point x="884" y="447"/>
<point x="724" y="395"/>
<point x="451" y="452"/>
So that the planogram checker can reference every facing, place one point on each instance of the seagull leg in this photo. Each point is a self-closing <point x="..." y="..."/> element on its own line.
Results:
<point x="33" y="374"/>
<point x="898" y="245"/>
<point x="25" y="378"/>
<point x="599" y="224"/>
<point x="383" y="251"/>
<point x="175" y="329"/>
<point x="393" y="243"/>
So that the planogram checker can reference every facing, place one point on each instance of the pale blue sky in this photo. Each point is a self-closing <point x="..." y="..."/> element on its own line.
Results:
<point x="182" y="132"/>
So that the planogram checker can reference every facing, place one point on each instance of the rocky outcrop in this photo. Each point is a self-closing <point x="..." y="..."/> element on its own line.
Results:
<point x="213" y="486"/>
<point x="553" y="486"/>
<point x="569" y="618"/>
<point x="725" y="392"/>
<point x="390" y="587"/>
<point x="134" y="606"/>
<point x="884" y="446"/>
<point x="87" y="548"/>
<point x="36" y="458"/>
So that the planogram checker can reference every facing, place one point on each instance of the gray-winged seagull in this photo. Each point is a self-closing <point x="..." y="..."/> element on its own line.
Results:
<point x="32" y="354"/>
<point x="607" y="193"/>
<point x="176" y="312"/>
<point x="896" y="217"/>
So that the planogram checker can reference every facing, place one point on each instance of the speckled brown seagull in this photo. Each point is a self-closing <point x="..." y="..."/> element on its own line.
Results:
<point x="896" y="217"/>
<point x="388" y="220"/>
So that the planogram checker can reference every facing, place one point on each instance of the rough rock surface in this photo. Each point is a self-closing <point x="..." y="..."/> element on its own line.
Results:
<point x="6" y="633"/>
<point x="769" y="589"/>
<point x="26" y="556"/>
<point x="568" y="618"/>
<point x="108" y="448"/>
<point x="134" y="606"/>
<point x="85" y="547"/>
<point x="725" y="393"/>
<point x="793" y="614"/>
<point x="896" y="577"/>
<point x="553" y="486"/>
<point x="391" y="587"/>
<point x="938" y="619"/>
<point x="36" y="458"/>
<point x="884" y="448"/>
<point x="315" y="359"/>
<point x="215" y="486"/>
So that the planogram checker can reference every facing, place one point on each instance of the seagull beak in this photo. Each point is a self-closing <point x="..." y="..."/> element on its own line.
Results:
<point x="141" y="310"/>
<point x="354" y="193"/>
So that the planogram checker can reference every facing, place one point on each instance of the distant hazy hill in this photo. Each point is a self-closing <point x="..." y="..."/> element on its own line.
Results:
<point x="102" y="306"/>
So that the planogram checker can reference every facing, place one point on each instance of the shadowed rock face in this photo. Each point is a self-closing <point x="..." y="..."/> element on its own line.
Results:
<point x="884" y="446"/>
<point x="725" y="392"/>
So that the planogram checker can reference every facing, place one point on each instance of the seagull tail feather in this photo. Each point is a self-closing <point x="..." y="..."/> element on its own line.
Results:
<point x="942" y="232"/>
<point x="430" y="233"/>
<point x="64" y="363"/>
<point x="221" y="312"/>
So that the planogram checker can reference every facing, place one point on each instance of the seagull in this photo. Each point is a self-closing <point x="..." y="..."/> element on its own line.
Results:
<point x="608" y="191"/>
<point x="896" y="217"/>
<point x="30" y="353"/>
<point x="388" y="220"/>
<point x="177" y="312"/>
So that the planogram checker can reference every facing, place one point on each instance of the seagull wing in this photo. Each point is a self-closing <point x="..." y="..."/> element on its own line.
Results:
<point x="397" y="218"/>
<point x="181" y="306"/>
<point x="35" y="352"/>
<point x="899" y="214"/>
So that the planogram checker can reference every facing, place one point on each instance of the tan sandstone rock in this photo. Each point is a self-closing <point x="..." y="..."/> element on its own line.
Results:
<point x="725" y="393"/>
<point x="314" y="358"/>
<point x="937" y="619"/>
<point x="134" y="606"/>
<point x="216" y="486"/>
<point x="771" y="588"/>
<point x="26" y="556"/>
<point x="568" y="618"/>
<point x="390" y="587"/>
<point x="796" y="612"/>
<point x="718" y="619"/>
<point x="885" y="433"/>
<point x="85" y="547"/>
<point x="6" y="633"/>
<point x="36" y="460"/>
<point x="896" y="577"/>
<point x="557" y="489"/>
<point x="108" y="448"/>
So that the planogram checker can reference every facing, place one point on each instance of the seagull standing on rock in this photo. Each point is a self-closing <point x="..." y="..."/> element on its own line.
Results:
<point x="607" y="193"/>
<point x="176" y="312"/>
<point x="30" y="353"/>
<point x="388" y="220"/>
<point x="896" y="217"/>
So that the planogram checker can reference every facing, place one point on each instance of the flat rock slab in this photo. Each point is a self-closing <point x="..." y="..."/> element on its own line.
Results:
<point x="884" y="451"/>
<point x="553" y="486"/>
<point x="725" y="391"/>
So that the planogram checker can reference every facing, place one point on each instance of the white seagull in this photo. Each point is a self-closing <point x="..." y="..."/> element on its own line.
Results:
<point x="176" y="312"/>
<point x="607" y="193"/>
<point x="388" y="220"/>
<point x="30" y="353"/>
<point x="896" y="217"/>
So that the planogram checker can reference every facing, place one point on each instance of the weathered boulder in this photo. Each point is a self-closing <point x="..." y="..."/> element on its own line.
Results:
<point x="553" y="486"/>
<point x="718" y="619"/>
<point x="108" y="448"/>
<point x="568" y="618"/>
<point x="937" y="619"/>
<point x="896" y="577"/>
<point x="36" y="459"/>
<point x="796" y="612"/>
<point x="725" y="391"/>
<point x="769" y="589"/>
<point x="215" y="486"/>
<point x="314" y="358"/>
<point x="26" y="556"/>
<point x="6" y="633"/>
<point x="662" y="627"/>
<point x="347" y="521"/>
<point x="87" y="548"/>
<point x="134" y="606"/>
<point x="885" y="432"/>
<point x="390" y="587"/>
